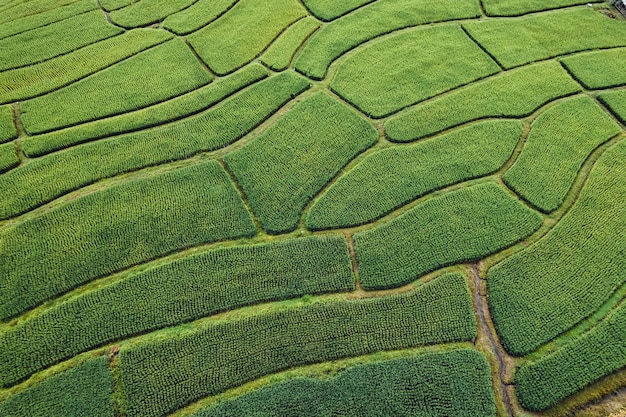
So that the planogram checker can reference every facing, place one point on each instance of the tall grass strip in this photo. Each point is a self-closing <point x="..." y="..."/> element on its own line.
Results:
<point x="328" y="10"/>
<point x="110" y="230"/>
<point x="198" y="15"/>
<point x="167" y="111"/>
<point x="174" y="293"/>
<point x="147" y="12"/>
<point x="8" y="157"/>
<point x="520" y="7"/>
<point x="25" y="23"/>
<point x="520" y="41"/>
<point x="394" y="177"/>
<point x="31" y="8"/>
<point x="56" y="39"/>
<point x="459" y="226"/>
<point x="282" y="170"/>
<point x="170" y="69"/>
<point x="85" y="390"/>
<point x="600" y="69"/>
<point x="616" y="102"/>
<point x="454" y="383"/>
<point x="560" y="141"/>
<point x="7" y="127"/>
<point x="410" y="67"/>
<point x="594" y="355"/>
<point x="34" y="80"/>
<point x="258" y="24"/>
<point x="543" y="291"/>
<point x="47" y="178"/>
<point x="162" y="375"/>
<point x="279" y="54"/>
<point x="383" y="16"/>
<point x="517" y="93"/>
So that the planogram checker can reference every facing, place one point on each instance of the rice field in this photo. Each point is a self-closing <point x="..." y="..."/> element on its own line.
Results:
<point x="240" y="208"/>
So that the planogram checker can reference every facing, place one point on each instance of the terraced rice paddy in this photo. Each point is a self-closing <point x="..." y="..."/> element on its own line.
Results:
<point x="312" y="208"/>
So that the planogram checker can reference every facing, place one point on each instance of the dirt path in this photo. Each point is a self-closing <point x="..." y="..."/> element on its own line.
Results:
<point x="481" y="308"/>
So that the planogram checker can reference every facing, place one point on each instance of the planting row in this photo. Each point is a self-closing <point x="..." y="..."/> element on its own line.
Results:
<point x="173" y="293"/>
<point x="163" y="374"/>
<point x="110" y="230"/>
<point x="51" y="176"/>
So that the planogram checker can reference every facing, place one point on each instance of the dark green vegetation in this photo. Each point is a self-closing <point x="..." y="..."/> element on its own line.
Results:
<point x="410" y="67"/>
<point x="330" y="135"/>
<point x="560" y="140"/>
<point x="121" y="226"/>
<point x="454" y="383"/>
<point x="170" y="68"/>
<point x="81" y="391"/>
<point x="394" y="177"/>
<point x="161" y="375"/>
<point x="459" y="226"/>
<point x="174" y="293"/>
<point x="596" y="354"/>
<point x="516" y="93"/>
<point x="539" y="293"/>
<point x="311" y="207"/>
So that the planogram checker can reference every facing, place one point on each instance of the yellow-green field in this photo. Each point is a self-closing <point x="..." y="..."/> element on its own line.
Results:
<point x="312" y="208"/>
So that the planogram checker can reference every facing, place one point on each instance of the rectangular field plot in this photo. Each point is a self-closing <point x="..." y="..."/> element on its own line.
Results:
<point x="520" y="7"/>
<point x="159" y="376"/>
<point x="85" y="390"/>
<point x="596" y="354"/>
<point x="393" y="177"/>
<point x="453" y="383"/>
<point x="175" y="293"/>
<point x="49" y="177"/>
<point x="282" y="170"/>
<point x="516" y="93"/>
<point x="600" y="69"/>
<point x="258" y="24"/>
<point x="7" y="127"/>
<point x="560" y="141"/>
<point x="459" y="226"/>
<point x="543" y="291"/>
<point x="371" y="21"/>
<point x="22" y="24"/>
<point x="199" y="14"/>
<point x="157" y="74"/>
<point x="410" y="67"/>
<point x="278" y="56"/>
<point x="33" y="80"/>
<point x="110" y="230"/>
<point x="167" y="111"/>
<point x="43" y="43"/>
<point x="520" y="41"/>
<point x="146" y="12"/>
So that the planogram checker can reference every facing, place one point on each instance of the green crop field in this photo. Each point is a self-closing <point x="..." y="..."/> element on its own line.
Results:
<point x="246" y="208"/>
